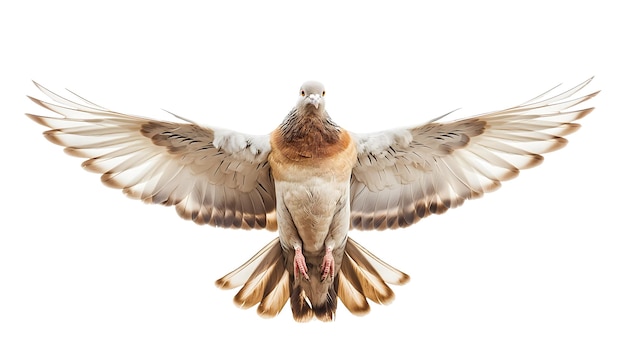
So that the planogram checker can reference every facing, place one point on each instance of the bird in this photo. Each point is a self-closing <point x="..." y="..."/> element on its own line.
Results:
<point x="313" y="182"/>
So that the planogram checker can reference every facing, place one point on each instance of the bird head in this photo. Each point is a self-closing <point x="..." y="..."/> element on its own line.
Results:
<point x="312" y="94"/>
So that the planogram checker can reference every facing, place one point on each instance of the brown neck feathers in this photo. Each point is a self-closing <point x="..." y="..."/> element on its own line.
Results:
<point x="308" y="134"/>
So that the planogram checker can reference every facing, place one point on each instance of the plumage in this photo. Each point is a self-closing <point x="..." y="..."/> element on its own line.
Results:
<point x="312" y="181"/>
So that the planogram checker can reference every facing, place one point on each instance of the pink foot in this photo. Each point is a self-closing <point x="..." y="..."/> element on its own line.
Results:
<point x="328" y="264"/>
<point x="299" y="265"/>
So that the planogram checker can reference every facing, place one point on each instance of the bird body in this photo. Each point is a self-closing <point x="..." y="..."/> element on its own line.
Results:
<point x="311" y="162"/>
<point x="312" y="181"/>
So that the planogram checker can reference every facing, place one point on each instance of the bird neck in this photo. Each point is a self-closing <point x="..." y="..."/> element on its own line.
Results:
<point x="309" y="132"/>
<point x="312" y="125"/>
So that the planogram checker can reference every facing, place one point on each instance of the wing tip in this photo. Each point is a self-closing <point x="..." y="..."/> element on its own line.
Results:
<point x="38" y="119"/>
<point x="585" y="112"/>
<point x="38" y="102"/>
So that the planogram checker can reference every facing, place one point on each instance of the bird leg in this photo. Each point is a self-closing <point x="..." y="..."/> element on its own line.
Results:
<point x="299" y="264"/>
<point x="328" y="264"/>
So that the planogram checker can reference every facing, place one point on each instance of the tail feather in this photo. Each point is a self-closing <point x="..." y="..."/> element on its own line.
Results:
<point x="375" y="265"/>
<point x="364" y="276"/>
<point x="265" y="281"/>
<point x="241" y="275"/>
<point x="367" y="282"/>
<point x="326" y="311"/>
<point x="268" y="282"/>
<point x="262" y="282"/>
<point x="273" y="301"/>
<point x="350" y="290"/>
<point x="300" y="305"/>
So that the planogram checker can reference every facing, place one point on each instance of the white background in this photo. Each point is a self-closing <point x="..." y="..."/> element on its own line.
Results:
<point x="537" y="265"/>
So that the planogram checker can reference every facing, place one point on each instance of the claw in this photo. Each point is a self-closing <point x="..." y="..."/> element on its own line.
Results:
<point x="299" y="265"/>
<point x="328" y="264"/>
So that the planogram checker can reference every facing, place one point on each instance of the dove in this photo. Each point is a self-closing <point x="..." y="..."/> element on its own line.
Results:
<point x="313" y="182"/>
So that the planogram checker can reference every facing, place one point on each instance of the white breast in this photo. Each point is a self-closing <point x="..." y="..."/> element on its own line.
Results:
<point x="312" y="205"/>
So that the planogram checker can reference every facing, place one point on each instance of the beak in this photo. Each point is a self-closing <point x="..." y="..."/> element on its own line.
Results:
<point x="314" y="99"/>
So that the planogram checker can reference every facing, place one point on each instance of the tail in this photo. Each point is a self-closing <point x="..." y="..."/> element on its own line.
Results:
<point x="364" y="276"/>
<point x="267" y="282"/>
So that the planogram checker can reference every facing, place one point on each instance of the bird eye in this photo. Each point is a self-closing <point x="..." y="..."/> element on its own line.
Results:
<point x="324" y="93"/>
<point x="302" y="92"/>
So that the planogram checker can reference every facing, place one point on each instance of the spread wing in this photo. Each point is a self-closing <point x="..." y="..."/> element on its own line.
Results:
<point x="211" y="176"/>
<point x="404" y="175"/>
